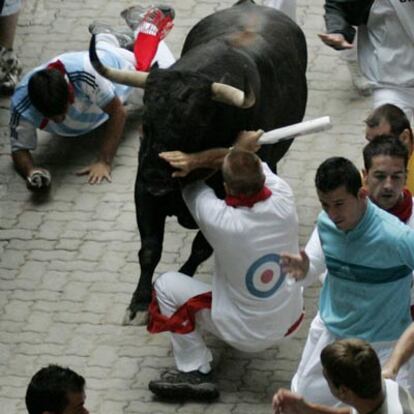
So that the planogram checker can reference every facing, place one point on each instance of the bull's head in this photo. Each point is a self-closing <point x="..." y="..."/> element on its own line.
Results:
<point x="179" y="111"/>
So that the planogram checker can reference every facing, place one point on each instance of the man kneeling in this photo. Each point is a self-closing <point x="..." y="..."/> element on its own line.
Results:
<point x="251" y="304"/>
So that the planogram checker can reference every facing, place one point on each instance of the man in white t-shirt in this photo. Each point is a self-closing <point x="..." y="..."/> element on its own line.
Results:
<point x="251" y="304"/>
<point x="353" y="372"/>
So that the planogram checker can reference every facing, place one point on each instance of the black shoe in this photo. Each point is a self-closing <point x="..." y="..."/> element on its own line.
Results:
<point x="192" y="385"/>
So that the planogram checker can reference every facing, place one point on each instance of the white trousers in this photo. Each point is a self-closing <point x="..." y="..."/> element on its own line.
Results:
<point x="309" y="380"/>
<point x="190" y="351"/>
<point x="286" y="6"/>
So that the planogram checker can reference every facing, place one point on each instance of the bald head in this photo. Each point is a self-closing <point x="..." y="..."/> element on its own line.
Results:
<point x="242" y="173"/>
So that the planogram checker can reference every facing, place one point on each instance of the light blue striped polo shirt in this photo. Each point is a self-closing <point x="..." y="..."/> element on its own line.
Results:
<point x="367" y="292"/>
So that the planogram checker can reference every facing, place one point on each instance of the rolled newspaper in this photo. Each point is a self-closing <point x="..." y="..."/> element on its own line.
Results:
<point x="295" y="130"/>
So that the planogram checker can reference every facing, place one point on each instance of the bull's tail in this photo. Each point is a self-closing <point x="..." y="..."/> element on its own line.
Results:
<point x="124" y="77"/>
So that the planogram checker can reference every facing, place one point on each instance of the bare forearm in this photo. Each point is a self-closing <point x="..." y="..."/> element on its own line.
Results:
<point x="403" y="351"/>
<point x="288" y="402"/>
<point x="112" y="132"/>
<point x="23" y="162"/>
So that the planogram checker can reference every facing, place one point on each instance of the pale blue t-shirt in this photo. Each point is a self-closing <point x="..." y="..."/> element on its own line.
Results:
<point x="367" y="291"/>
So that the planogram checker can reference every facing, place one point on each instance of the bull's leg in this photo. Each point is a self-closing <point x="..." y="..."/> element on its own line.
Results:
<point x="200" y="251"/>
<point x="151" y="221"/>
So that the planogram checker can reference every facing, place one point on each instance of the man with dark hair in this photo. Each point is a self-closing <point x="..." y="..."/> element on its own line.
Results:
<point x="67" y="97"/>
<point x="369" y="257"/>
<point x="390" y="119"/>
<point x="56" y="390"/>
<point x="353" y="372"/>
<point x="49" y="93"/>
<point x="251" y="305"/>
<point x="385" y="172"/>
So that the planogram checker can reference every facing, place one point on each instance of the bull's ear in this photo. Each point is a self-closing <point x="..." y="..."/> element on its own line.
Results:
<point x="232" y="96"/>
<point x="124" y="77"/>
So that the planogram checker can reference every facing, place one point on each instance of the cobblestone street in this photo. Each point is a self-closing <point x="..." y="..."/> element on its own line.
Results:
<point x="68" y="261"/>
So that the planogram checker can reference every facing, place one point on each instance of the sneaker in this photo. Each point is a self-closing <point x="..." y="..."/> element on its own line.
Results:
<point x="193" y="385"/>
<point x="8" y="84"/>
<point x="124" y="36"/>
<point x="360" y="82"/>
<point x="10" y="71"/>
<point x="134" y="15"/>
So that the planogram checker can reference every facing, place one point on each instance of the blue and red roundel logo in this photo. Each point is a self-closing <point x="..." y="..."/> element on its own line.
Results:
<point x="265" y="276"/>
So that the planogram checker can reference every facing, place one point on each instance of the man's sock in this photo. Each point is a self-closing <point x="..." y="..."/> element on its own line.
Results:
<point x="153" y="28"/>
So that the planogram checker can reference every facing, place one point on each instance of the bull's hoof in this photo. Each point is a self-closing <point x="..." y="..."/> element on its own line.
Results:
<point x="138" y="318"/>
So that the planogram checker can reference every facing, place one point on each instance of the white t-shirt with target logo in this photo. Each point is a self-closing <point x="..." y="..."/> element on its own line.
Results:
<point x="254" y="304"/>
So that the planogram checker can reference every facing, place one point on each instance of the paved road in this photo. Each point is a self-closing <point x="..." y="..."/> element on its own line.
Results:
<point x="69" y="263"/>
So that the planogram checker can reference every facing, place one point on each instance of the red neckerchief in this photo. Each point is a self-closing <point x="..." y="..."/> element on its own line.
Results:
<point x="404" y="208"/>
<point x="59" y="66"/>
<point x="249" y="201"/>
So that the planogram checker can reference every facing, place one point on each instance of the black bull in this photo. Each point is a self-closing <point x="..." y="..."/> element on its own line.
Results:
<point x="255" y="49"/>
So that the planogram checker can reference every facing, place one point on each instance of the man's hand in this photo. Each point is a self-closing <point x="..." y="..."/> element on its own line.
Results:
<point x="335" y="40"/>
<point x="97" y="172"/>
<point x="39" y="179"/>
<point x="389" y="372"/>
<point x="248" y="140"/>
<point x="296" y="265"/>
<point x="212" y="158"/>
<point x="183" y="162"/>
<point x="287" y="402"/>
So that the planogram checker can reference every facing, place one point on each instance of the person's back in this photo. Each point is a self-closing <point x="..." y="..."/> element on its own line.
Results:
<point x="247" y="241"/>
<point x="251" y="304"/>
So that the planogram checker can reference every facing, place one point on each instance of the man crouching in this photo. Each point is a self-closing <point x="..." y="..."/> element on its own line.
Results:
<point x="251" y="304"/>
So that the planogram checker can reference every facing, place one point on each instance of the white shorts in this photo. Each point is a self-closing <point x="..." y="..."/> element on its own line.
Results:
<point x="8" y="7"/>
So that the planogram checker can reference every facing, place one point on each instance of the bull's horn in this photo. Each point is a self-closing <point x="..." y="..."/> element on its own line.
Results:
<point x="124" y="77"/>
<point x="232" y="96"/>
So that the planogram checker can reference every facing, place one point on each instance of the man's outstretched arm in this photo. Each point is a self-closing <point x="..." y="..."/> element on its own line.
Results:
<point x="287" y="402"/>
<point x="211" y="158"/>
<point x="403" y="351"/>
<point x="102" y="168"/>
<point x="23" y="162"/>
<point x="37" y="179"/>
